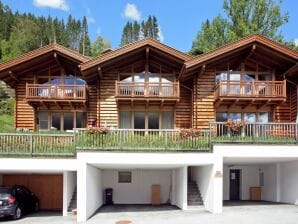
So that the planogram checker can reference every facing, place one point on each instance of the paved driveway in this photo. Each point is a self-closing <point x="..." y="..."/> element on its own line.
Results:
<point x="41" y="218"/>
<point x="240" y="213"/>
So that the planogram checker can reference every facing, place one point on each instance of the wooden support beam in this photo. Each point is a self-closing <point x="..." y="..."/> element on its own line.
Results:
<point x="264" y="104"/>
<point x="147" y="54"/>
<point x="12" y="75"/>
<point x="249" y="104"/>
<point x="233" y="104"/>
<point x="290" y="70"/>
<point x="57" y="59"/>
<point x="253" y="48"/>
<point x="181" y="71"/>
<point x="217" y="103"/>
<point x="99" y="72"/>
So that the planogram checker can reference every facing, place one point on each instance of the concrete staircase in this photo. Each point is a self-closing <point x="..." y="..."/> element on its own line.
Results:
<point x="73" y="203"/>
<point x="193" y="194"/>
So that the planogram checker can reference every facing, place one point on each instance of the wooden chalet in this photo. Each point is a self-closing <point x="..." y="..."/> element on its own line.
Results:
<point x="148" y="85"/>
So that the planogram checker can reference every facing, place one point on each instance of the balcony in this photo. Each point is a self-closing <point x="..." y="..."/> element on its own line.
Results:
<point x="147" y="91"/>
<point x="262" y="92"/>
<point x="57" y="93"/>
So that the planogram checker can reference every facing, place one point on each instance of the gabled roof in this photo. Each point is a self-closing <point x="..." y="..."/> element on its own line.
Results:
<point x="134" y="46"/>
<point x="255" y="38"/>
<point x="42" y="51"/>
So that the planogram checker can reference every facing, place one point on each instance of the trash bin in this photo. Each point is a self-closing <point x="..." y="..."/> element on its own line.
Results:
<point x="109" y="196"/>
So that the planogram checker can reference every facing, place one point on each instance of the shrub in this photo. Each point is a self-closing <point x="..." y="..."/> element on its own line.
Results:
<point x="7" y="106"/>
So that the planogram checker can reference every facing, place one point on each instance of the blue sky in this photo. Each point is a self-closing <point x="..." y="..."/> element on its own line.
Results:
<point x="179" y="20"/>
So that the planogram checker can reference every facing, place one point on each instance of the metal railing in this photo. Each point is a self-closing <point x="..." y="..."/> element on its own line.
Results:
<point x="269" y="133"/>
<point x="35" y="144"/>
<point x="229" y="88"/>
<point x="142" y="139"/>
<point x="55" y="92"/>
<point x="147" y="89"/>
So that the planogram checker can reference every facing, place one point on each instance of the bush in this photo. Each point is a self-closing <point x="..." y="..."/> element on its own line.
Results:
<point x="7" y="106"/>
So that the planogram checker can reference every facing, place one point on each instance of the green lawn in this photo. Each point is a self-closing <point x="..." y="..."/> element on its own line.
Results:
<point x="6" y="123"/>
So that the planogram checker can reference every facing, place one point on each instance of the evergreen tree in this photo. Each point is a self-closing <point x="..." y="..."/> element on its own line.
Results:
<point x="99" y="45"/>
<point x="85" y="43"/>
<point x="242" y="18"/>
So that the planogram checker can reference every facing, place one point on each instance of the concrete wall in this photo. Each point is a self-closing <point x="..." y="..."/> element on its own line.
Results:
<point x="249" y="176"/>
<point x="181" y="187"/>
<point x="69" y="184"/>
<point x="139" y="190"/>
<point x="289" y="182"/>
<point x="269" y="190"/>
<point x="203" y="177"/>
<point x="90" y="191"/>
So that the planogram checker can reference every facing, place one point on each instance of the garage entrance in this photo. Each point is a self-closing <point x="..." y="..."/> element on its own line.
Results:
<point x="260" y="180"/>
<point x="47" y="187"/>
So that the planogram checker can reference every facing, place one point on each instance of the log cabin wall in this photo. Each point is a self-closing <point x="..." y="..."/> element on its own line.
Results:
<point x="108" y="110"/>
<point x="203" y="99"/>
<point x="183" y="111"/>
<point x="286" y="112"/>
<point x="93" y="103"/>
<point x="24" y="113"/>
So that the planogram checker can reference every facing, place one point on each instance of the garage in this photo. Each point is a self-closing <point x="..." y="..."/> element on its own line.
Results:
<point x="261" y="179"/>
<point x="47" y="187"/>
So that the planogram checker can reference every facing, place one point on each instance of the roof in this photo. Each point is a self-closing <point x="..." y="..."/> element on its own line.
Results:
<point x="133" y="46"/>
<point x="255" y="38"/>
<point x="41" y="51"/>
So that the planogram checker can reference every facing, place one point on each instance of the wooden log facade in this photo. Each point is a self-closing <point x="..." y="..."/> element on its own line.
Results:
<point x="195" y="104"/>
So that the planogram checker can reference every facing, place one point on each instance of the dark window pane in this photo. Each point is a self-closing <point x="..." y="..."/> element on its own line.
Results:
<point x="153" y="120"/>
<point x="68" y="121"/>
<point x="139" y="120"/>
<point x="43" y="119"/>
<point x="81" y="120"/>
<point x="56" y="121"/>
<point x="221" y="117"/>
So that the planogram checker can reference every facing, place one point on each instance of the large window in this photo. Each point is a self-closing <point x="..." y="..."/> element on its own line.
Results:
<point x="248" y="117"/>
<point x="64" y="121"/>
<point x="146" y="120"/>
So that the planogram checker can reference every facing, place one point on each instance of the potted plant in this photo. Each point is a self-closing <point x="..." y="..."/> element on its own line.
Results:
<point x="234" y="126"/>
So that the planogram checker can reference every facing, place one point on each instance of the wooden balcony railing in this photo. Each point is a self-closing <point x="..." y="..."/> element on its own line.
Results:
<point x="139" y="90"/>
<point x="55" y="92"/>
<point x="251" y="89"/>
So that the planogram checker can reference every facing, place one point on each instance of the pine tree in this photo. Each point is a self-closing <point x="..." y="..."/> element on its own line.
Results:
<point x="99" y="45"/>
<point x="85" y="43"/>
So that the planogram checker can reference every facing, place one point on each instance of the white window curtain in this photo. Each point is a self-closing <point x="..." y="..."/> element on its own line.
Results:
<point x="167" y="120"/>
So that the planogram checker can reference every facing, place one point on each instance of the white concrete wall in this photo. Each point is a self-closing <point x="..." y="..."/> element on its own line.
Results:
<point x="202" y="175"/>
<point x="249" y="177"/>
<point x="139" y="190"/>
<point x="69" y="184"/>
<point x="90" y="191"/>
<point x="209" y="179"/>
<point x="289" y="182"/>
<point x="269" y="190"/>
<point x="181" y="187"/>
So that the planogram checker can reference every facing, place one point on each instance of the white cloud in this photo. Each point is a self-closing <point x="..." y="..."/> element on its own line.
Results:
<point x="296" y="41"/>
<point x="161" y="36"/>
<point x="98" y="31"/>
<point x="90" y="19"/>
<point x="56" y="4"/>
<point x="131" y="12"/>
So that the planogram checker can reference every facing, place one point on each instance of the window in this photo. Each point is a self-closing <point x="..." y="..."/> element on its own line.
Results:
<point x="61" y="121"/>
<point x="124" y="177"/>
<point x="146" y="120"/>
<point x="43" y="121"/>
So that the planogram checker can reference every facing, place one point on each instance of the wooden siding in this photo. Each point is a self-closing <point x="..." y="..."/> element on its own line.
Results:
<point x="183" y="109"/>
<point x="108" y="105"/>
<point x="24" y="113"/>
<point x="286" y="112"/>
<point x="48" y="188"/>
<point x="203" y="99"/>
<point x="93" y="99"/>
